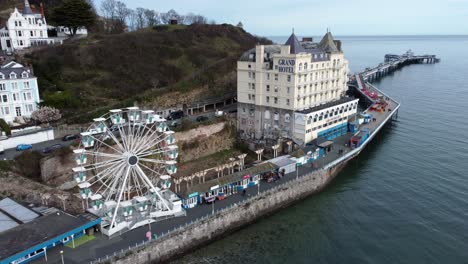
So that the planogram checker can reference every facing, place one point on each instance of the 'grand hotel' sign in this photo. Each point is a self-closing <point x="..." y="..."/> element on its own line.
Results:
<point x="286" y="65"/>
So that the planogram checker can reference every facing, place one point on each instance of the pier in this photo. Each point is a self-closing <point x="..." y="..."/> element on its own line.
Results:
<point x="394" y="62"/>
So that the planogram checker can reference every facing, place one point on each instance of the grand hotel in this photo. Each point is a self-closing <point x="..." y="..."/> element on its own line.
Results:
<point x="296" y="90"/>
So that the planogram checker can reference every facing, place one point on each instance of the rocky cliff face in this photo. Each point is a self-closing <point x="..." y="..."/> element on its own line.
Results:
<point x="204" y="141"/>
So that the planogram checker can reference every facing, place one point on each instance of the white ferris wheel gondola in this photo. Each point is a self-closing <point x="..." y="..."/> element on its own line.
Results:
<point x="121" y="159"/>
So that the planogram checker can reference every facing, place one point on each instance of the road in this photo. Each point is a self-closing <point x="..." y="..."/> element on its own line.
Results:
<point x="10" y="154"/>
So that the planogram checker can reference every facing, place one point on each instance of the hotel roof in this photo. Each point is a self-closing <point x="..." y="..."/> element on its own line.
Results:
<point x="326" y="45"/>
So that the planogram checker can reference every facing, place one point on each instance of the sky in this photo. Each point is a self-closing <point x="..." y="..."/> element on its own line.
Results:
<point x="313" y="17"/>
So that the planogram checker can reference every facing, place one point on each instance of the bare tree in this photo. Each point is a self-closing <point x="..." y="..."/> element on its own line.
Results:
<point x="108" y="9"/>
<point x="121" y="12"/>
<point x="199" y="19"/>
<point x="151" y="17"/>
<point x="132" y="20"/>
<point x="140" y="18"/>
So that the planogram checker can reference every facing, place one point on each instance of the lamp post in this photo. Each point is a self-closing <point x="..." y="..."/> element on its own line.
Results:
<point x="61" y="255"/>
<point x="258" y="187"/>
<point x="297" y="171"/>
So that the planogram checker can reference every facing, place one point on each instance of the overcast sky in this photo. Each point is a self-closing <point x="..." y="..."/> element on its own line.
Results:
<point x="312" y="17"/>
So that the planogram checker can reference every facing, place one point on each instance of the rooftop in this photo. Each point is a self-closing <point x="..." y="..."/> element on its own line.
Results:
<point x="41" y="229"/>
<point x="14" y="67"/>
<point x="326" y="45"/>
<point x="327" y="105"/>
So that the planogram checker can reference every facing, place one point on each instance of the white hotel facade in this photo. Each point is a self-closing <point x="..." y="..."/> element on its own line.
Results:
<point x="19" y="94"/>
<point x="28" y="28"/>
<point x="296" y="90"/>
<point x="24" y="29"/>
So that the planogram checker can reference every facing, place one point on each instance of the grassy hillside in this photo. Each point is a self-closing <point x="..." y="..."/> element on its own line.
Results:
<point x="88" y="76"/>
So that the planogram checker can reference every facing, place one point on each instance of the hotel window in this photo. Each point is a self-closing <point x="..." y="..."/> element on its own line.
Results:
<point x="31" y="32"/>
<point x="250" y="96"/>
<point x="29" y="108"/>
<point x="300" y="66"/>
<point x="268" y="99"/>
<point x="268" y="76"/>
<point x="288" y="89"/>
<point x="25" y="75"/>
<point x="27" y="96"/>
<point x="287" y="101"/>
<point x="16" y="23"/>
<point x="289" y="78"/>
<point x="276" y="89"/>
<point x="6" y="110"/>
<point x="4" y="98"/>
<point x="276" y="77"/>
<point x="305" y="66"/>
<point x="40" y="33"/>
<point x="14" y="85"/>
<point x="253" y="75"/>
<point x="253" y="86"/>
<point x="2" y="76"/>
<point x="268" y="88"/>
<point x="2" y="87"/>
<point x="16" y="97"/>
<point x="243" y="110"/>
<point x="250" y="74"/>
<point x="12" y="75"/>
<point x="276" y="100"/>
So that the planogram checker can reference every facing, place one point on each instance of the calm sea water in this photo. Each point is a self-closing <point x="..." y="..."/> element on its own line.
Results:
<point x="404" y="199"/>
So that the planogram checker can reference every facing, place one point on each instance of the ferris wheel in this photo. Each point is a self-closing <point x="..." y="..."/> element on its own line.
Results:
<point x="125" y="162"/>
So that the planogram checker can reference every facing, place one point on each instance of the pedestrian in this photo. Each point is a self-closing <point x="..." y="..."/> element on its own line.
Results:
<point x="243" y="192"/>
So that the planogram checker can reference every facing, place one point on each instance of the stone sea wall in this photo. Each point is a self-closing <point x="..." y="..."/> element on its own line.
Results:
<point x="211" y="228"/>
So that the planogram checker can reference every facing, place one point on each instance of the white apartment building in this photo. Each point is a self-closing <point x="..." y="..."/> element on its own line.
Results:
<point x="279" y="85"/>
<point x="24" y="29"/>
<point x="19" y="94"/>
<point x="28" y="28"/>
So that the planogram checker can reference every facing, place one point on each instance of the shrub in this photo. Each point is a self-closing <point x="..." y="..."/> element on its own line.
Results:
<point x="46" y="114"/>
<point x="5" y="127"/>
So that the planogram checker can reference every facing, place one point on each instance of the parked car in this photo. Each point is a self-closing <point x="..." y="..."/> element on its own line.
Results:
<point x="51" y="149"/>
<point x="201" y="118"/>
<point x="70" y="137"/>
<point x="175" y="115"/>
<point x="22" y="147"/>
<point x="219" y="113"/>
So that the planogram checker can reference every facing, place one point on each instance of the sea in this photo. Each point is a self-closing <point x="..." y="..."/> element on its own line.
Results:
<point x="404" y="199"/>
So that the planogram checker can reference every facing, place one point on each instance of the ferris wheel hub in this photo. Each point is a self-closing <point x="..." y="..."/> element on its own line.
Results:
<point x="132" y="160"/>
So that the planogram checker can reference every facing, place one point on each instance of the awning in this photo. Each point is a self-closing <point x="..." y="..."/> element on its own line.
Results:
<point x="325" y="144"/>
